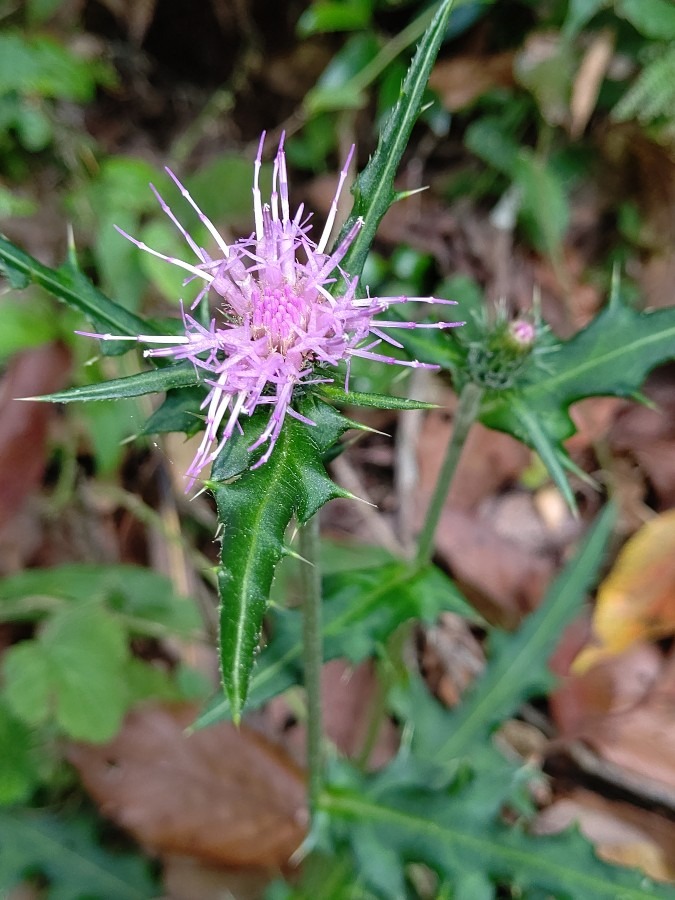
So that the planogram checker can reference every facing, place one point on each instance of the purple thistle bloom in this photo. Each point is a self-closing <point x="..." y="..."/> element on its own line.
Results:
<point x="277" y="320"/>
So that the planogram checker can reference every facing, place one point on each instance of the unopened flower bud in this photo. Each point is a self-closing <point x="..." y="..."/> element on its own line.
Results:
<point x="522" y="333"/>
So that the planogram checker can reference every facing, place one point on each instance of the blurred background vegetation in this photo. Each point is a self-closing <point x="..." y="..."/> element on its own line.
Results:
<point x="548" y="145"/>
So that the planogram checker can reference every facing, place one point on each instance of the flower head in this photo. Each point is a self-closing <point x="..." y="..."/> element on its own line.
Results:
<point x="277" y="324"/>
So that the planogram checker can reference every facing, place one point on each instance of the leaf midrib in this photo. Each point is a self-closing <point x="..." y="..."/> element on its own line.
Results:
<point x="249" y="578"/>
<point x="362" y="809"/>
<point x="543" y="387"/>
<point x="500" y="678"/>
<point x="38" y="835"/>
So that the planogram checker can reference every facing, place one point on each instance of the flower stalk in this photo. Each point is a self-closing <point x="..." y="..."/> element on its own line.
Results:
<point x="465" y="415"/>
<point x="312" y="646"/>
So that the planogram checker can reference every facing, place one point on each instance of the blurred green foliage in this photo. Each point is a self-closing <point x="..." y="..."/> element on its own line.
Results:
<point x="76" y="676"/>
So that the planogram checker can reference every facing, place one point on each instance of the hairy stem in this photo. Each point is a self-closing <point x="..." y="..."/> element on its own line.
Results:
<point x="465" y="416"/>
<point x="312" y="655"/>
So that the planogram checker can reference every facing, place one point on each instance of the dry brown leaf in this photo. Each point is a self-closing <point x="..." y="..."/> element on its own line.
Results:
<point x="521" y="740"/>
<point x="649" y="434"/>
<point x="490" y="460"/>
<point x="461" y="80"/>
<point x="577" y="302"/>
<point x="642" y="738"/>
<point x="185" y="878"/>
<point x="637" y="599"/>
<point x="621" y="833"/>
<point x="222" y="795"/>
<point x="624" y="708"/>
<point x="23" y="425"/>
<point x="452" y="658"/>
<point x="592" y="419"/>
<point x="657" y="276"/>
<point x="503" y="580"/>
<point x="588" y="80"/>
<point x="348" y="694"/>
<point x="658" y="461"/>
<point x="581" y="703"/>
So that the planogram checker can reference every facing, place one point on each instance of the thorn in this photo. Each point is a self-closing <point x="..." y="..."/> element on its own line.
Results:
<point x="403" y="195"/>
<point x="347" y="495"/>
<point x="405" y="747"/>
<point x="359" y="426"/>
<point x="615" y="289"/>
<point x="71" y="255"/>
<point x="287" y="551"/>
<point x="644" y="400"/>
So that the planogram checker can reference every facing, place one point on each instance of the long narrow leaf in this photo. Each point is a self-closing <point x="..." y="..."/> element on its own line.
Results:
<point x="67" y="852"/>
<point x="165" y="379"/>
<point x="374" y="189"/>
<point x="519" y="666"/>
<point x="74" y="288"/>
<point x="376" y="401"/>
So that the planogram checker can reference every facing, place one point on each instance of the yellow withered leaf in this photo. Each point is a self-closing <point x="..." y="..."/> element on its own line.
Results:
<point x="636" y="602"/>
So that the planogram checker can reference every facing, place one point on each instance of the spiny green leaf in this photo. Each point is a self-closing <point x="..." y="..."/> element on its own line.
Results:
<point x="361" y="609"/>
<point x="67" y="853"/>
<point x="377" y="401"/>
<point x="70" y="285"/>
<point x="180" y="411"/>
<point x="545" y="447"/>
<point x="255" y="507"/>
<point x="165" y="379"/>
<point x="451" y="828"/>
<point x="374" y="188"/>
<point x="610" y="357"/>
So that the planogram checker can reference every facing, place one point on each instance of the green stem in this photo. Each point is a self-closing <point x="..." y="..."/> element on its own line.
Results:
<point x="465" y="416"/>
<point x="313" y="656"/>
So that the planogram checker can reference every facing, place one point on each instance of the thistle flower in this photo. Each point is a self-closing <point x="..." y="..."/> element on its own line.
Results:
<point x="278" y="324"/>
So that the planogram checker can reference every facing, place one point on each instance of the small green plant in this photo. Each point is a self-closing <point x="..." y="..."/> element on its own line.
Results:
<point x="77" y="676"/>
